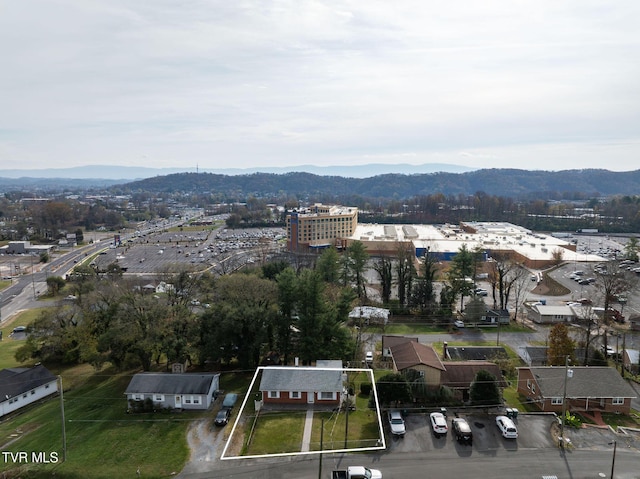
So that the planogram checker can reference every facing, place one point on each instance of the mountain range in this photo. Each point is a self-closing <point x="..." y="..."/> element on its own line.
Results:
<point x="407" y="181"/>
<point x="498" y="182"/>
<point x="127" y="173"/>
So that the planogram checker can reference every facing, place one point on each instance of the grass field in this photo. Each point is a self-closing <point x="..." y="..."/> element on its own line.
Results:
<point x="102" y="440"/>
<point x="8" y="346"/>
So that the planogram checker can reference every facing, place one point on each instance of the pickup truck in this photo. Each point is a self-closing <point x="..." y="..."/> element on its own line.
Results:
<point x="357" y="472"/>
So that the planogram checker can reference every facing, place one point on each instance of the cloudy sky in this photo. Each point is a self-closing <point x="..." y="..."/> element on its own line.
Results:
<point x="541" y="84"/>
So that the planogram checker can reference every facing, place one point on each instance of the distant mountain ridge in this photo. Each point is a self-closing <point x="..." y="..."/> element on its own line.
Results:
<point x="498" y="182"/>
<point x="124" y="173"/>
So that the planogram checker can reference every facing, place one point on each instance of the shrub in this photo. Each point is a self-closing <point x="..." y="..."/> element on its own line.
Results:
<point x="365" y="389"/>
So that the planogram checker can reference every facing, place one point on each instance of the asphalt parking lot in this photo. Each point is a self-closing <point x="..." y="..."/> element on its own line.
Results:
<point x="197" y="250"/>
<point x="533" y="433"/>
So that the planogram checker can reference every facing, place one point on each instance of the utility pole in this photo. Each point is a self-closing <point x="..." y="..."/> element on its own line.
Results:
<point x="564" y="399"/>
<point x="64" y="431"/>
<point x="613" y="461"/>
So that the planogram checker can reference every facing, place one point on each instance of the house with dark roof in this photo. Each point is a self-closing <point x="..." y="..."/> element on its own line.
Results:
<point x="475" y="353"/>
<point x="420" y="357"/>
<point x="588" y="388"/>
<point x="175" y="391"/>
<point x="20" y="387"/>
<point x="388" y="341"/>
<point x="459" y="375"/>
<point x="456" y="375"/>
<point x="322" y="385"/>
<point x="534" y="355"/>
<point x="496" y="316"/>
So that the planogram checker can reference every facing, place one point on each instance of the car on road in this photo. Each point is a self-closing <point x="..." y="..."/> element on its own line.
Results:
<point x="368" y="356"/>
<point x="462" y="431"/>
<point x="458" y="323"/>
<point x="609" y="351"/>
<point x="481" y="292"/>
<point x="396" y="422"/>
<point x="507" y="428"/>
<point x="222" y="418"/>
<point x="438" y="423"/>
<point x="20" y="329"/>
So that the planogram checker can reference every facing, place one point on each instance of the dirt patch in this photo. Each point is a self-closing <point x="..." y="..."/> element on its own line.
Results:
<point x="18" y="434"/>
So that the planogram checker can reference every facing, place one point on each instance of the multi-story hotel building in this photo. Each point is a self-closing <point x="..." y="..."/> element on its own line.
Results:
<point x="320" y="226"/>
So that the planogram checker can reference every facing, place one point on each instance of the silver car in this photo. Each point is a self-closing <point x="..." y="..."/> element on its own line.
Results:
<point x="396" y="423"/>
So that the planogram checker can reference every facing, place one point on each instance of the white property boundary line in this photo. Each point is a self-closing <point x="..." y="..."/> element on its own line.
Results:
<point x="382" y="445"/>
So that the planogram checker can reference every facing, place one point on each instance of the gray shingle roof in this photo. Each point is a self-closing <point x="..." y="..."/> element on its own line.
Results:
<point x="587" y="382"/>
<point x="300" y="379"/>
<point x="167" y="383"/>
<point x="16" y="381"/>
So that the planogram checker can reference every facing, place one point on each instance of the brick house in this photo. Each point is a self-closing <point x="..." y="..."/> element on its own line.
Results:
<point x="322" y="385"/>
<point x="589" y="388"/>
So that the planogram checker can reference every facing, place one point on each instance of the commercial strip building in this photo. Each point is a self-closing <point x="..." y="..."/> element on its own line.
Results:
<point x="322" y="226"/>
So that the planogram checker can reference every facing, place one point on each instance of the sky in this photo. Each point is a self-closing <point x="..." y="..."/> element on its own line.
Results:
<point x="538" y="85"/>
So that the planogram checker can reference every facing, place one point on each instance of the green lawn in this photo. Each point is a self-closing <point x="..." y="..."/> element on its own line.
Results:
<point x="8" y="346"/>
<point x="277" y="432"/>
<point x="407" y="329"/>
<point x="103" y="441"/>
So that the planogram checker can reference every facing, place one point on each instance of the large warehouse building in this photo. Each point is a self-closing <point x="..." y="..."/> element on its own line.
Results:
<point x="323" y="226"/>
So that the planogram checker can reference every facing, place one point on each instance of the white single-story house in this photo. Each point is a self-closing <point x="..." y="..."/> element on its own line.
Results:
<point x="175" y="391"/>
<point x="20" y="387"/>
<point x="370" y="315"/>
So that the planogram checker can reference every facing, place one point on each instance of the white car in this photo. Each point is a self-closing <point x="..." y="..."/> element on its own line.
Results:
<point x="368" y="356"/>
<point x="396" y="423"/>
<point x="438" y="423"/>
<point x="507" y="427"/>
<point x="458" y="323"/>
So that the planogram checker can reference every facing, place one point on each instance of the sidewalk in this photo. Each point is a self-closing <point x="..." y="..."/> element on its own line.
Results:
<point x="306" y="435"/>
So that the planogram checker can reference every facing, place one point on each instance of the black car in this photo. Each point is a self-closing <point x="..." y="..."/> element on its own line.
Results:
<point x="462" y="430"/>
<point x="223" y="417"/>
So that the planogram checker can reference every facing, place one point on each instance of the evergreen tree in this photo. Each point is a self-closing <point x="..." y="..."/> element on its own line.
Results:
<point x="484" y="389"/>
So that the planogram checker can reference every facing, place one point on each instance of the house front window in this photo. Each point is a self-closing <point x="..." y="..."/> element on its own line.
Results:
<point x="295" y="395"/>
<point x="138" y="397"/>
<point x="556" y="401"/>
<point x="274" y="395"/>
<point x="158" y="397"/>
<point x="617" y="401"/>
<point x="327" y="395"/>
